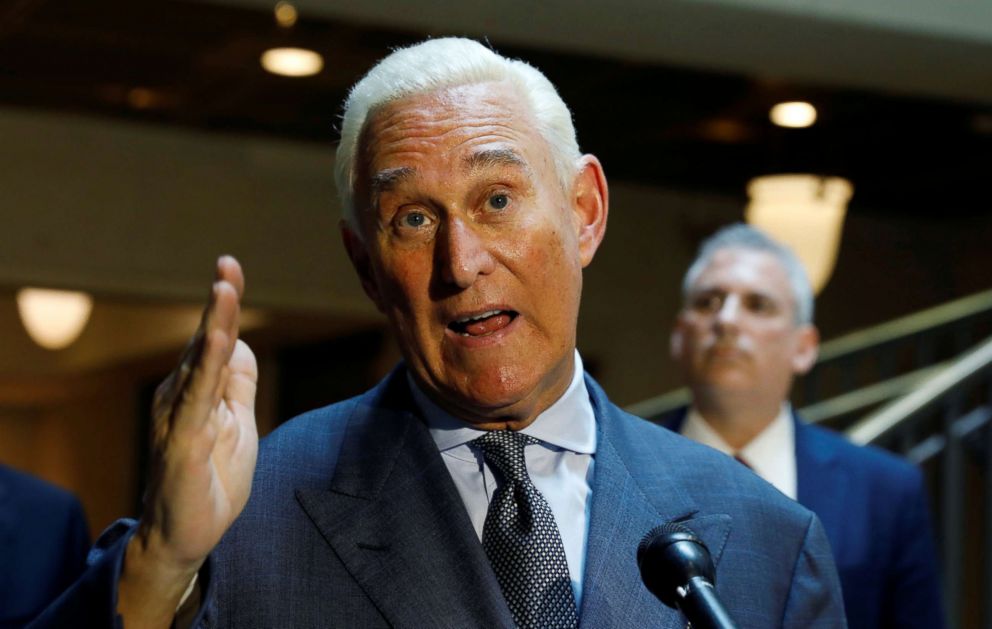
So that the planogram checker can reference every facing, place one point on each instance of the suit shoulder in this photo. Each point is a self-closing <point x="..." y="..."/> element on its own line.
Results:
<point x="306" y="444"/>
<point x="320" y="422"/>
<point x="34" y="494"/>
<point x="869" y="463"/>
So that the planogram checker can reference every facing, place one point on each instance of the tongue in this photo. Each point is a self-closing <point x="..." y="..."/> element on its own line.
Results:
<point x="488" y="325"/>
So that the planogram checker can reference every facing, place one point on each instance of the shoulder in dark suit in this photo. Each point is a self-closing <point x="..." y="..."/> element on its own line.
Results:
<point x="43" y="544"/>
<point x="355" y="522"/>
<point x="873" y="506"/>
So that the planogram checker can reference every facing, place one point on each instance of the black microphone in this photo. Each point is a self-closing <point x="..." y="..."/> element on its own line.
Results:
<point x="677" y="568"/>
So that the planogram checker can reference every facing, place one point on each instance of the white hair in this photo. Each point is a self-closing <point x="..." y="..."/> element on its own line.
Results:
<point x="741" y="236"/>
<point x="437" y="64"/>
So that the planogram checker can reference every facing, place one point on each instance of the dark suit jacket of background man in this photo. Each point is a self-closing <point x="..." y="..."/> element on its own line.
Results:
<point x="354" y="521"/>
<point x="43" y="543"/>
<point x="873" y="506"/>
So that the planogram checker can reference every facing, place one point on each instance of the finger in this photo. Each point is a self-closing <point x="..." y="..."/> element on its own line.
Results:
<point x="229" y="270"/>
<point x="243" y="378"/>
<point x="227" y="273"/>
<point x="201" y="372"/>
<point x="196" y="401"/>
<point x="224" y="314"/>
<point x="198" y="380"/>
<point x="187" y="361"/>
<point x="224" y="309"/>
<point x="236" y="410"/>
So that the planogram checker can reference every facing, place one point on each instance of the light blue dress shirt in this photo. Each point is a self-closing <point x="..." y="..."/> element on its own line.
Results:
<point x="561" y="465"/>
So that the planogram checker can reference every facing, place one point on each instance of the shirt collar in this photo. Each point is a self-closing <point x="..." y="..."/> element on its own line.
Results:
<point x="775" y="439"/>
<point x="771" y="454"/>
<point x="569" y="423"/>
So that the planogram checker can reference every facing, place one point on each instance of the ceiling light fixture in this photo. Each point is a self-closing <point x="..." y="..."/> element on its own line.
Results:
<point x="294" y="62"/>
<point x="286" y="14"/>
<point x="794" y="114"/>
<point x="53" y="318"/>
<point x="806" y="212"/>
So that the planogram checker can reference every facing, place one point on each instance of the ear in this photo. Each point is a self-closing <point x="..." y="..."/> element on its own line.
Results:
<point x="359" y="255"/>
<point x="807" y="349"/>
<point x="591" y="204"/>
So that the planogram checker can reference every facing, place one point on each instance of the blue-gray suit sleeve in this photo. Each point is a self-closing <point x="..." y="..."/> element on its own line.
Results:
<point x="92" y="599"/>
<point x="814" y="597"/>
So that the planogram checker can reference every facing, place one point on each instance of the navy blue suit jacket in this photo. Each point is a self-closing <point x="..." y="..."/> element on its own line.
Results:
<point x="354" y="521"/>
<point x="43" y="545"/>
<point x="873" y="506"/>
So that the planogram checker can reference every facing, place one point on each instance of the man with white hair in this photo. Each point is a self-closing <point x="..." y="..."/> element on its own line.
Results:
<point x="744" y="332"/>
<point x="487" y="482"/>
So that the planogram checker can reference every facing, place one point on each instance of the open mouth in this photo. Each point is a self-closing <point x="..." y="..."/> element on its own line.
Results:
<point x="483" y="324"/>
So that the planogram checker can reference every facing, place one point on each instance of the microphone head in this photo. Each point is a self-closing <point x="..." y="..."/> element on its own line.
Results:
<point x="668" y="557"/>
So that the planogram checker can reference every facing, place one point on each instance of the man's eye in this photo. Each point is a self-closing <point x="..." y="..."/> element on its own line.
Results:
<point x="499" y="201"/>
<point x="707" y="303"/>
<point x="413" y="219"/>
<point x="761" y="305"/>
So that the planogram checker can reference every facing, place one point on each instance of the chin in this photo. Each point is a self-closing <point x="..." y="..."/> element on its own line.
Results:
<point x="498" y="392"/>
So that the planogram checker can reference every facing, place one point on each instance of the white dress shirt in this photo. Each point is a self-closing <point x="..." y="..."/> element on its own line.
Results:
<point x="561" y="465"/>
<point x="771" y="454"/>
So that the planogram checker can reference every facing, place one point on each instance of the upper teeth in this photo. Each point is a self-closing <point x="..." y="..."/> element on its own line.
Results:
<point x="477" y="317"/>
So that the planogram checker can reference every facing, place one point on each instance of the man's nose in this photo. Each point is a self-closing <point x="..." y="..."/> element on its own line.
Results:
<point x="729" y="312"/>
<point x="464" y="254"/>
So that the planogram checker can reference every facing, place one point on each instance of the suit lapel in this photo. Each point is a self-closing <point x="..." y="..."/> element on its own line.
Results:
<point x="395" y="519"/>
<point x="623" y="510"/>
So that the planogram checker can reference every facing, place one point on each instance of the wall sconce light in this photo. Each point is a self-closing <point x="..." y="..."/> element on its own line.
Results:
<point x="53" y="318"/>
<point x="806" y="212"/>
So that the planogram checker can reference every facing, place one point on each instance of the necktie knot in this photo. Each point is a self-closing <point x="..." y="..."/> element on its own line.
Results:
<point x="504" y="450"/>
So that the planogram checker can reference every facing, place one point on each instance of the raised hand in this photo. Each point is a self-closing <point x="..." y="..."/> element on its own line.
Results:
<point x="204" y="445"/>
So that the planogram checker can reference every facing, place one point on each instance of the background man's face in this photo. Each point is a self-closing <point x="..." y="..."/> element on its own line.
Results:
<point x="472" y="249"/>
<point x="737" y="331"/>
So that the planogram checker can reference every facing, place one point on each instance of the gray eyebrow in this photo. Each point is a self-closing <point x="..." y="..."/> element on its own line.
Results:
<point x="387" y="179"/>
<point x="489" y="158"/>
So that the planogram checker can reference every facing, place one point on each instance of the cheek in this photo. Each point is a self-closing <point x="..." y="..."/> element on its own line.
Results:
<point x="559" y="273"/>
<point x="405" y="277"/>
<point x="774" y="345"/>
<point x="696" y="345"/>
<point x="693" y="335"/>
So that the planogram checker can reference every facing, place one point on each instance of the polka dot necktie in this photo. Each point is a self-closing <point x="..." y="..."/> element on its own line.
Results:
<point x="522" y="540"/>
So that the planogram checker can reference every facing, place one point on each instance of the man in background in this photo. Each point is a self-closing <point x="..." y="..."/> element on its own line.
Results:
<point x="744" y="332"/>
<point x="43" y="543"/>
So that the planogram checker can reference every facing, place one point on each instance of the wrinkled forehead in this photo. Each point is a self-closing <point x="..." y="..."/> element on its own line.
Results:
<point x="445" y="123"/>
